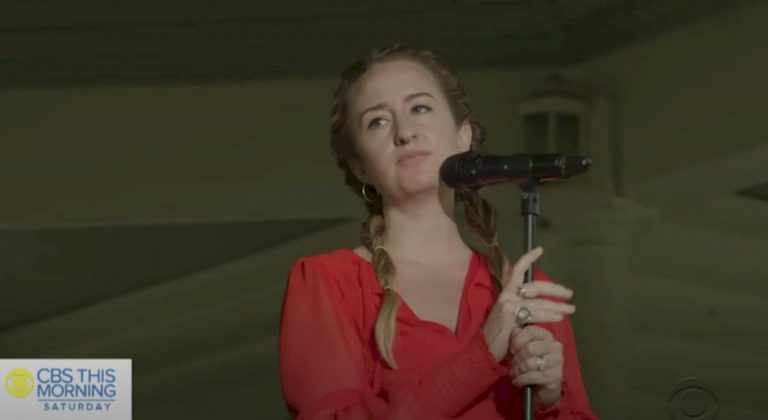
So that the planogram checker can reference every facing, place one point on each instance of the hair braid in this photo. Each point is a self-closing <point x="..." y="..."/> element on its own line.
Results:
<point x="481" y="217"/>
<point x="385" y="272"/>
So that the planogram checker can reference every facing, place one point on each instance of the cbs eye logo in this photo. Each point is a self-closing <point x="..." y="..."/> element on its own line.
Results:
<point x="19" y="382"/>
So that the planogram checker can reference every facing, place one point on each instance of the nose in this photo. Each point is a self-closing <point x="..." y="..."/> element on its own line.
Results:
<point x="405" y="132"/>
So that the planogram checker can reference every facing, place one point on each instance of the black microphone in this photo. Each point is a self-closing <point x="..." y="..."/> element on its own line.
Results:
<point x="474" y="171"/>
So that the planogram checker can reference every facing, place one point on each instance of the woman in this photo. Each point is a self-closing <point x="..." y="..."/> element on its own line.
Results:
<point x="414" y="324"/>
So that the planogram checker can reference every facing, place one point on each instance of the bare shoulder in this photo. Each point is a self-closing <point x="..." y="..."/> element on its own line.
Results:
<point x="363" y="253"/>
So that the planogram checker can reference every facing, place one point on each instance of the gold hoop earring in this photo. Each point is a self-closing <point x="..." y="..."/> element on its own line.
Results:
<point x="365" y="194"/>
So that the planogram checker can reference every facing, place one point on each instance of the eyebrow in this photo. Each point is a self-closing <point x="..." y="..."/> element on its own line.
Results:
<point x="381" y="105"/>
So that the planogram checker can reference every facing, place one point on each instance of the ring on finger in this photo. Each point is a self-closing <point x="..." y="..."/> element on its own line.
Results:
<point x="541" y="364"/>
<point x="523" y="315"/>
<point x="521" y="292"/>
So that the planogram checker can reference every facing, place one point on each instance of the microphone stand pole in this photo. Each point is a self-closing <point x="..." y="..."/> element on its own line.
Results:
<point x="529" y="210"/>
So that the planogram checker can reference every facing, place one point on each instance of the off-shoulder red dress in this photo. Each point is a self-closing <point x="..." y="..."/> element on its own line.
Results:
<point x="330" y="367"/>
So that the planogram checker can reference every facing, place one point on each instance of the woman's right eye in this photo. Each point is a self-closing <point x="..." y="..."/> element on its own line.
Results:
<point x="376" y="122"/>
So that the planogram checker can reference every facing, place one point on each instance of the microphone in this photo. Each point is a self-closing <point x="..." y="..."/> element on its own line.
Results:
<point x="474" y="171"/>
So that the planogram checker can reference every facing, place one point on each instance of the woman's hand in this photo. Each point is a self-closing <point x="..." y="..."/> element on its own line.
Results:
<point x="537" y="359"/>
<point x="517" y="306"/>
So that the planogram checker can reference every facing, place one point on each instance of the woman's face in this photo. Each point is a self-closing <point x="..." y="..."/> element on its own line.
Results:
<point x="403" y="129"/>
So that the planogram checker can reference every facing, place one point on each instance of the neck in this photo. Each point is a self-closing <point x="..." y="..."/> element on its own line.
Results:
<point x="423" y="228"/>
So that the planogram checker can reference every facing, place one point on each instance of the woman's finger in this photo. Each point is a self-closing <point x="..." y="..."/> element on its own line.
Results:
<point x="532" y="349"/>
<point x="538" y="310"/>
<point x="544" y="288"/>
<point x="536" y="349"/>
<point x="537" y="316"/>
<point x="549" y="376"/>
<point x="548" y="305"/>
<point x="516" y="274"/>
<point x="522" y="336"/>
<point x="531" y="364"/>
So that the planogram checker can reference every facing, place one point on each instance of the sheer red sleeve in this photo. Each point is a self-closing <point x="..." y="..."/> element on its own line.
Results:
<point x="322" y="367"/>
<point x="573" y="404"/>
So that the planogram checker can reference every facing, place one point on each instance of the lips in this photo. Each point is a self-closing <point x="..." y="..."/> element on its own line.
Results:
<point x="412" y="157"/>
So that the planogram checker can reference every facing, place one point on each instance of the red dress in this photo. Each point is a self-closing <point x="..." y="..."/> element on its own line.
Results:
<point x="331" y="369"/>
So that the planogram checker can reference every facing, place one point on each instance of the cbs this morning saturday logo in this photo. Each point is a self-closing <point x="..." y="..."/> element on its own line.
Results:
<point x="59" y="388"/>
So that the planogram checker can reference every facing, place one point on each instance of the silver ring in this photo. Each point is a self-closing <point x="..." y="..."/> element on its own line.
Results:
<point x="523" y="315"/>
<point x="540" y="364"/>
<point x="521" y="292"/>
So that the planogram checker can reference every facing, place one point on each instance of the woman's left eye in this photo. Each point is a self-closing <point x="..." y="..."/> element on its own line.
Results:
<point x="420" y="109"/>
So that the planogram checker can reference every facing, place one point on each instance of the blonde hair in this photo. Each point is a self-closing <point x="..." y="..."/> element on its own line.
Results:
<point x="481" y="217"/>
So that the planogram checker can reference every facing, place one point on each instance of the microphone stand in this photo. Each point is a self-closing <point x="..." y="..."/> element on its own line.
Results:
<point x="529" y="210"/>
<point x="473" y="170"/>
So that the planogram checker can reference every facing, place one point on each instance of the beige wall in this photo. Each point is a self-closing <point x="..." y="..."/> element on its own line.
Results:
<point x="192" y="152"/>
<point x="690" y="95"/>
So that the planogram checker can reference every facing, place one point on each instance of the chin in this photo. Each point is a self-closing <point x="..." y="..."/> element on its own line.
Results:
<point x="420" y="184"/>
